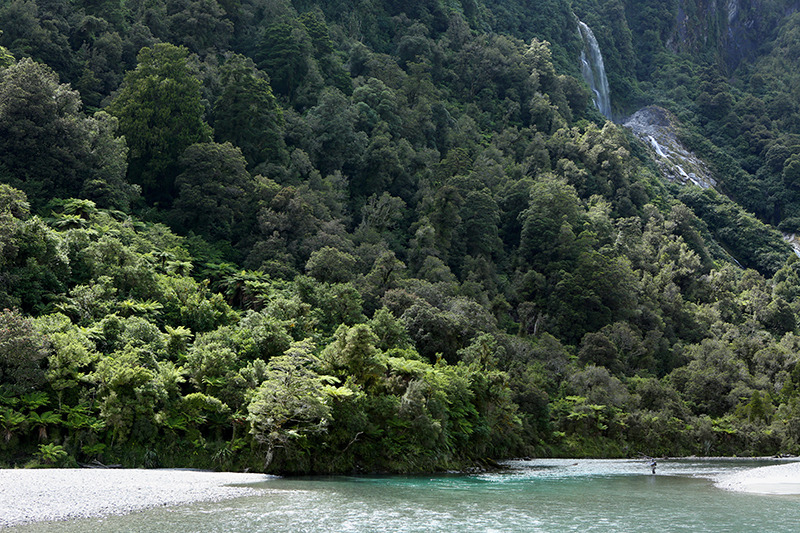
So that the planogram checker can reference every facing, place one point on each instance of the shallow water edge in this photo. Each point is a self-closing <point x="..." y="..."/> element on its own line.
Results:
<point x="559" y="494"/>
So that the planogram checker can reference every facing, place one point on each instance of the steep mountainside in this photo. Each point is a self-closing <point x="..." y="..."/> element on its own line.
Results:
<point x="731" y="31"/>
<point x="372" y="235"/>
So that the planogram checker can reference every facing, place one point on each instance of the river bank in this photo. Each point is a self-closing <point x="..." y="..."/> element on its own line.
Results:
<point x="61" y="494"/>
<point x="775" y="479"/>
<point x="48" y="495"/>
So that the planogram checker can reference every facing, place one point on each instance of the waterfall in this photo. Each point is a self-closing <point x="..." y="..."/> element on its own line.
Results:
<point x="593" y="70"/>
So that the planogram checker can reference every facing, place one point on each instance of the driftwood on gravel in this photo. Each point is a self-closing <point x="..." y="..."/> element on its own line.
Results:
<point x="97" y="464"/>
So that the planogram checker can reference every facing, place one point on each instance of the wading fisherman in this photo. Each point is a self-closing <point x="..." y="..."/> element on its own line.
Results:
<point x="653" y="466"/>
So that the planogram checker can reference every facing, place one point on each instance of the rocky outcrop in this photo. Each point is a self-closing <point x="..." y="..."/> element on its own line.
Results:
<point x="657" y="128"/>
<point x="794" y="242"/>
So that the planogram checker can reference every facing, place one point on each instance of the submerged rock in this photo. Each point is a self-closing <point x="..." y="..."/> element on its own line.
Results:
<point x="657" y="127"/>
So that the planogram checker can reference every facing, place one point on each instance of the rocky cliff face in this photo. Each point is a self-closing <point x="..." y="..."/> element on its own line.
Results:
<point x="730" y="30"/>
<point x="657" y="128"/>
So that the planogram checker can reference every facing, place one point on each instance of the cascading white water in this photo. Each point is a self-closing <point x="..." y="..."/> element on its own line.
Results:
<point x="593" y="70"/>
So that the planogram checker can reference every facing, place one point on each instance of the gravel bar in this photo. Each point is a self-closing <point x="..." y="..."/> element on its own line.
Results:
<point x="60" y="494"/>
<point x="776" y="479"/>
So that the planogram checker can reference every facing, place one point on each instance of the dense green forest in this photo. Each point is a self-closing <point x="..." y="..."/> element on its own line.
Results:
<point x="381" y="236"/>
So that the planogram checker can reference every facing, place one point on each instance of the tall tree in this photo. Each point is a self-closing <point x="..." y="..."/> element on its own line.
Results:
<point x="21" y="353"/>
<point x="214" y="192"/>
<point x="160" y="113"/>
<point x="285" y="53"/>
<point x="335" y="144"/>
<point x="199" y="25"/>
<point x="39" y="115"/>
<point x="247" y="114"/>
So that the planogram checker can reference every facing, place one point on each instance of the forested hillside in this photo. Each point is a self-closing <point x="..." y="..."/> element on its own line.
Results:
<point x="381" y="236"/>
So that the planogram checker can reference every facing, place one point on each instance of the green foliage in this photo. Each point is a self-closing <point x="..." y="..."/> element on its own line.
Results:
<point x="533" y="285"/>
<point x="291" y="403"/>
<point x="214" y="192"/>
<point x="189" y="303"/>
<point x="6" y="58"/>
<point x="285" y="54"/>
<point x="201" y="26"/>
<point x="21" y="353"/>
<point x="752" y="243"/>
<point x="160" y="114"/>
<point x="353" y="354"/>
<point x="76" y="154"/>
<point x="331" y="265"/>
<point x="51" y="454"/>
<point x="247" y="114"/>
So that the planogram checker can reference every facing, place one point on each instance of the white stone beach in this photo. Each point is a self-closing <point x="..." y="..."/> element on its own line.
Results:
<point x="60" y="494"/>
<point x="776" y="479"/>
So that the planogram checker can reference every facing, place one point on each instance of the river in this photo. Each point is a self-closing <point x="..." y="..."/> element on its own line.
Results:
<point x="538" y="495"/>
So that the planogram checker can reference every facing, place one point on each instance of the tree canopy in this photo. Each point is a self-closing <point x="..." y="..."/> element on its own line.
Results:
<point x="393" y="237"/>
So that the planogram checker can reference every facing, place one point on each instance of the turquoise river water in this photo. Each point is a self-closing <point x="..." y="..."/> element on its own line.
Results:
<point x="532" y="496"/>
